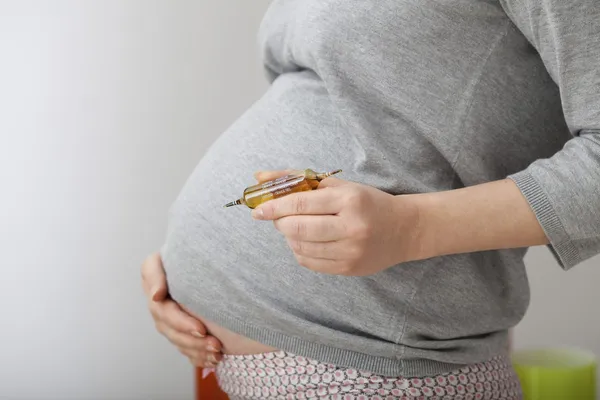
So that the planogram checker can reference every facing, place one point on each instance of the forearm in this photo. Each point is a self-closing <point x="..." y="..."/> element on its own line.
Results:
<point x="490" y="216"/>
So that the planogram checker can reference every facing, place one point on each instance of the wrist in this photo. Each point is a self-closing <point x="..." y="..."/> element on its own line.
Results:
<point x="416" y="229"/>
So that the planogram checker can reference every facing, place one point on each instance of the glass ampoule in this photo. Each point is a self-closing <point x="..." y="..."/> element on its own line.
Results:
<point x="297" y="181"/>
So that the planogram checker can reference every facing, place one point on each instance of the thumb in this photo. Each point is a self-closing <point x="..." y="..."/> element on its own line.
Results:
<point x="265" y="176"/>
<point x="154" y="279"/>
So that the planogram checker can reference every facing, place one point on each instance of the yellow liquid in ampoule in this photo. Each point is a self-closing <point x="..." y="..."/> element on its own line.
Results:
<point x="301" y="181"/>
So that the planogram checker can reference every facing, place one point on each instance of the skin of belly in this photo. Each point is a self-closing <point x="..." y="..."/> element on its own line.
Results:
<point x="232" y="343"/>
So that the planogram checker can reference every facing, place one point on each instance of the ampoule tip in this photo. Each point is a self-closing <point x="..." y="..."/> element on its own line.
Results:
<point x="325" y="175"/>
<point x="232" y="204"/>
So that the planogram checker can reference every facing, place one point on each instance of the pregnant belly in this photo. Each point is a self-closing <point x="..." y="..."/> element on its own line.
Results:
<point x="232" y="342"/>
<point x="210" y="253"/>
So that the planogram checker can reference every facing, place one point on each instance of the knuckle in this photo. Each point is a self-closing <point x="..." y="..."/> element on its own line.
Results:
<point x="300" y="204"/>
<point x="354" y="196"/>
<point x="360" y="229"/>
<point x="299" y="228"/>
<point x="346" y="268"/>
<point x="355" y="251"/>
<point x="367" y="228"/>
<point x="297" y="247"/>
<point x="271" y="208"/>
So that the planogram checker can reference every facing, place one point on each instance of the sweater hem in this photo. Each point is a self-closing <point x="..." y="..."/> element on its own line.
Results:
<point x="389" y="367"/>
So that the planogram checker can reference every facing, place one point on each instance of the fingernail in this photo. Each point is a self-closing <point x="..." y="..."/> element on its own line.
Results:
<point x="258" y="214"/>
<point x="212" y="358"/>
<point x="212" y="348"/>
<point x="210" y="365"/>
<point x="198" y="334"/>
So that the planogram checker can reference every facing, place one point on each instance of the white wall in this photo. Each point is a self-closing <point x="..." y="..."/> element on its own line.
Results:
<point x="105" y="107"/>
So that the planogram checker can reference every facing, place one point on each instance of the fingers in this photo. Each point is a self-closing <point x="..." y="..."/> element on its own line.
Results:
<point x="185" y="332"/>
<point x="185" y="340"/>
<point x="201" y="352"/>
<point x="154" y="281"/>
<point x="170" y="314"/>
<point x="166" y="311"/>
<point x="311" y="228"/>
<point x="202" y="360"/>
<point x="265" y="176"/>
<point x="318" y="202"/>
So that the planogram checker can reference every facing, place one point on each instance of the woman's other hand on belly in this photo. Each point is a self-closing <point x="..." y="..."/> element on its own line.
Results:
<point x="184" y="331"/>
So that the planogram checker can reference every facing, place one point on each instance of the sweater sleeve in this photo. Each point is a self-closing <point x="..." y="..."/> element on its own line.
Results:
<point x="564" y="190"/>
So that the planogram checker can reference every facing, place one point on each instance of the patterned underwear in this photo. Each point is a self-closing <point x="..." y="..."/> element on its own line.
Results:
<point x="281" y="375"/>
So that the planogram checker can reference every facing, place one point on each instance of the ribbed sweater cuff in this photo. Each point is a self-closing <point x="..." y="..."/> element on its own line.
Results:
<point x="561" y="244"/>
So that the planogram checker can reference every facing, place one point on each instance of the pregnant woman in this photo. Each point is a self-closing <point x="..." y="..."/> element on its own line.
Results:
<point x="467" y="131"/>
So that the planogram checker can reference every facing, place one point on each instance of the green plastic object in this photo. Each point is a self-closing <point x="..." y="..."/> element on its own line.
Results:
<point x="556" y="374"/>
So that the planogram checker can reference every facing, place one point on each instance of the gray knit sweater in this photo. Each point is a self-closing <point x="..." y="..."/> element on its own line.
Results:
<point x="408" y="96"/>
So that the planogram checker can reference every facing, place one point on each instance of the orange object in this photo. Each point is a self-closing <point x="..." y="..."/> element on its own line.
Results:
<point x="207" y="387"/>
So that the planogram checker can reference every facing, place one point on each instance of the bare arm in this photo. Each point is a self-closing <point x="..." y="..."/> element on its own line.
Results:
<point x="490" y="216"/>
